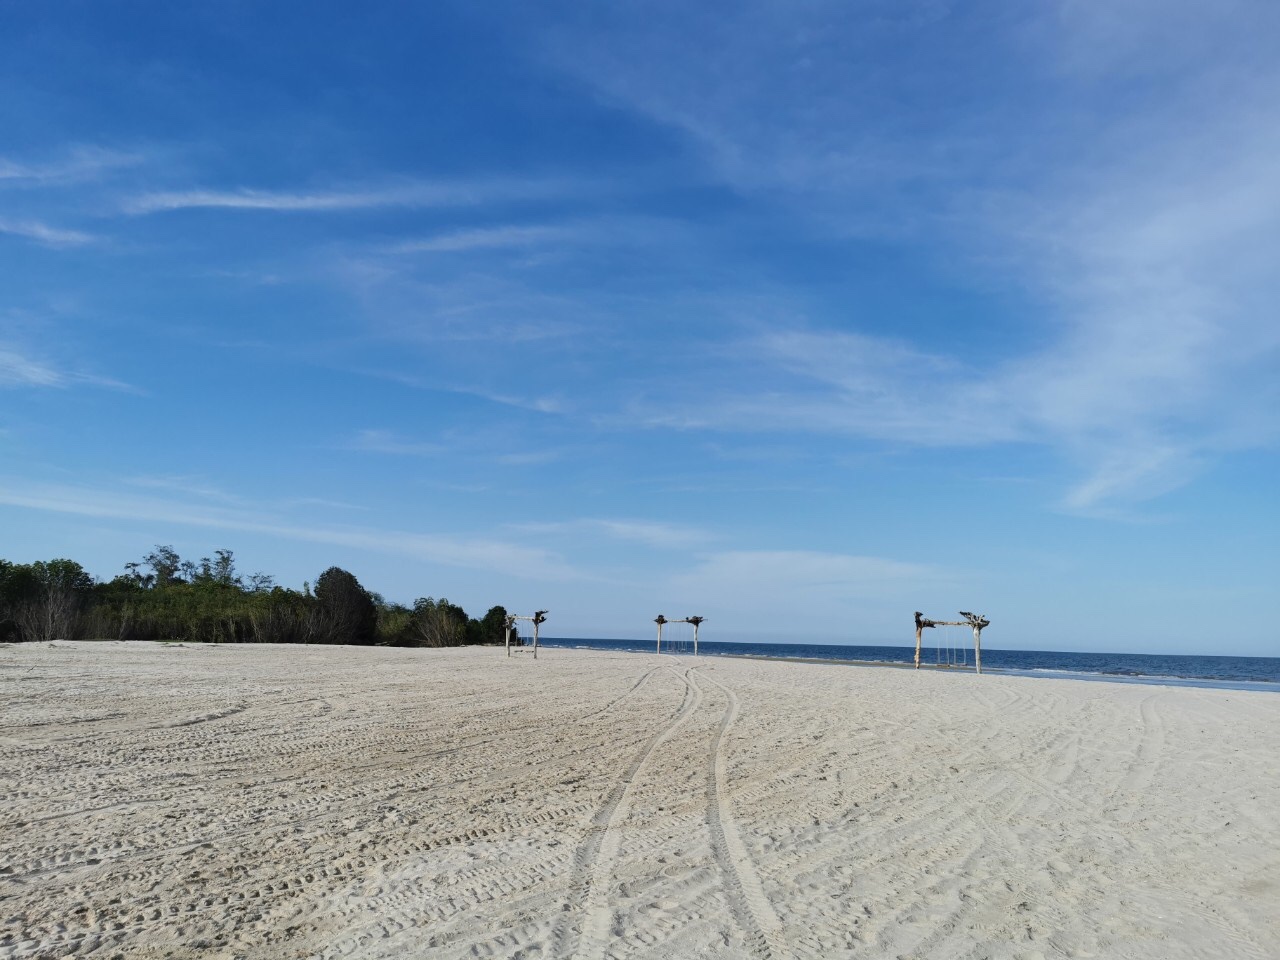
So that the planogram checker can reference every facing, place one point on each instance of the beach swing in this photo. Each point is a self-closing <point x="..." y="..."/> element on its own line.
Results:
<point x="957" y="656"/>
<point x="524" y="641"/>
<point x="946" y="649"/>
<point x="957" y="653"/>
<point x="680" y="642"/>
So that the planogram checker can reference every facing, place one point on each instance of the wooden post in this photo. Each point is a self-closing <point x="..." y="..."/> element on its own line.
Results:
<point x="660" y="621"/>
<point x="922" y="624"/>
<point x="510" y="623"/>
<point x="538" y="618"/>
<point x="697" y="622"/>
<point x="977" y="621"/>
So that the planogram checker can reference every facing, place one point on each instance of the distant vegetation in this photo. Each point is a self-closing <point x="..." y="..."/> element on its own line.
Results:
<point x="164" y="597"/>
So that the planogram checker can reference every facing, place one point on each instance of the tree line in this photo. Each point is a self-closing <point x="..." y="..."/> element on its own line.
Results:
<point x="163" y="597"/>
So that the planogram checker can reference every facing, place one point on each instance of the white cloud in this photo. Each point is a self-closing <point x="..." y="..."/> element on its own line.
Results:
<point x="45" y="234"/>
<point x="78" y="164"/>
<point x="528" y="458"/>
<point x="384" y="441"/>
<point x="648" y="532"/>
<point x="409" y="194"/>
<point x="786" y="571"/>
<point x="475" y="553"/>
<point x="487" y="238"/>
<point x="1123" y="187"/>
<point x="17" y="369"/>
<point x="791" y="593"/>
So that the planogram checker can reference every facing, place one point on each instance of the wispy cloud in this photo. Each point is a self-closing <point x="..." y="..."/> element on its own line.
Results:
<point x="848" y="596"/>
<point x="487" y="238"/>
<point x="185" y="485"/>
<point x="651" y="533"/>
<point x="785" y="571"/>
<point x="476" y="553"/>
<point x="384" y="441"/>
<point x="78" y="164"/>
<point x="528" y="458"/>
<point x="1127" y="194"/>
<point x="45" y="234"/>
<point x="18" y="369"/>
<point x="409" y="194"/>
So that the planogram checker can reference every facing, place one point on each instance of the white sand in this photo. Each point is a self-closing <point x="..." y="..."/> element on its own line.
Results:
<point x="276" y="802"/>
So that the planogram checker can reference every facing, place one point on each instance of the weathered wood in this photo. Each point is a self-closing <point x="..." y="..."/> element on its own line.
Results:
<point x="696" y="621"/>
<point x="922" y="624"/>
<point x="539" y="617"/>
<point x="975" y="620"/>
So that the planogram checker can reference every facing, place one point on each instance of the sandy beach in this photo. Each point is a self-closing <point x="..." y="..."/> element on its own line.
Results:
<point x="177" y="801"/>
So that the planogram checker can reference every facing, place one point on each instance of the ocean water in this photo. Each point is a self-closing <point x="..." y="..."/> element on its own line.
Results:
<point x="1244" y="673"/>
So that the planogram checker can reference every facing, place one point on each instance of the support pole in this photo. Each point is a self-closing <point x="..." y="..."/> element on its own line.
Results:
<point x="921" y="624"/>
<point x="508" y="638"/>
<point x="538" y="618"/>
<point x="977" y="621"/>
<point x="697" y="622"/>
<point x="660" y="621"/>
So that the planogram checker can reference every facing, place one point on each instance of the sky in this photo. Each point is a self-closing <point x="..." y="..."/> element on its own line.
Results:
<point x="798" y="316"/>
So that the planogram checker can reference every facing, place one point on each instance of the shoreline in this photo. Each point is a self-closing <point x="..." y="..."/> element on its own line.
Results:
<point x="1046" y="673"/>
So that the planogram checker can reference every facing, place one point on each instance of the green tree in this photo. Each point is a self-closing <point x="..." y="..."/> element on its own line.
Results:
<point x="345" y="611"/>
<point x="165" y="566"/>
<point x="491" y="628"/>
<point x="50" y="598"/>
<point x="439" y="623"/>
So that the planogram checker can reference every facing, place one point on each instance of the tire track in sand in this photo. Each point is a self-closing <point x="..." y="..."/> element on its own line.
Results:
<point x="617" y="700"/>
<point x="747" y="901"/>
<point x="1132" y="789"/>
<point x="593" y="861"/>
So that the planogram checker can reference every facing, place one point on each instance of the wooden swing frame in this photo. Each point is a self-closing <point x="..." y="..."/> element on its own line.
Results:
<point x="537" y="619"/>
<point x="974" y="620"/>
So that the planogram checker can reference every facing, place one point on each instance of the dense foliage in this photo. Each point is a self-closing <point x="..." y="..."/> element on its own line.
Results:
<point x="164" y="597"/>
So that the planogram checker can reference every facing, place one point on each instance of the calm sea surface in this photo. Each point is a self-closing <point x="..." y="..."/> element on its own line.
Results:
<point x="1244" y="673"/>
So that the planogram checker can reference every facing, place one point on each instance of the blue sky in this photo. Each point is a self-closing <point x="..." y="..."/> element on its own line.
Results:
<point x="798" y="316"/>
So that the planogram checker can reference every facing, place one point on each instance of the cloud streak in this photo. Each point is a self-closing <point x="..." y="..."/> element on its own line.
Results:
<point x="384" y="441"/>
<point x="487" y="238"/>
<point x="44" y="234"/>
<point x="475" y="553"/>
<point x="416" y="194"/>
<point x="79" y="164"/>
<point x="1134" y="226"/>
<point x="17" y="369"/>
<point x="650" y="533"/>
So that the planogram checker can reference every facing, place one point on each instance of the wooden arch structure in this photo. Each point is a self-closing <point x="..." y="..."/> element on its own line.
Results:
<point x="975" y="620"/>
<point x="537" y="619"/>
<point x="660" y="620"/>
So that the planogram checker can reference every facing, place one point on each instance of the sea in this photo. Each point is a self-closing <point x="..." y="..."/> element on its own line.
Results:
<point x="1223" y="673"/>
